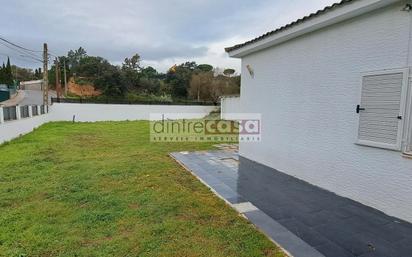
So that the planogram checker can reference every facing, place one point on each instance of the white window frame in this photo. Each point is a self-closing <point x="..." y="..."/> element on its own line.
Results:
<point x="407" y="148"/>
<point x="402" y="112"/>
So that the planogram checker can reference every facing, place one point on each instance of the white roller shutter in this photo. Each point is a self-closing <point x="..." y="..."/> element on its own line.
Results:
<point x="381" y="111"/>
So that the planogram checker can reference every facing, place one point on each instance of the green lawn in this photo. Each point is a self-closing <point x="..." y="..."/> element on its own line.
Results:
<point x="102" y="189"/>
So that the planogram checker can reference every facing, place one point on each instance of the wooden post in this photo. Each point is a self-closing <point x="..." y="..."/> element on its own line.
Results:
<point x="65" y="79"/>
<point x="45" y="76"/>
<point x="58" y="85"/>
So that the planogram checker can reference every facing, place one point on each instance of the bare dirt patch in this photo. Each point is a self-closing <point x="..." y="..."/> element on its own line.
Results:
<point x="83" y="90"/>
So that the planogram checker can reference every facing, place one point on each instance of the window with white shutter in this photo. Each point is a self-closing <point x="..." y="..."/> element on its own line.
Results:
<point x="382" y="109"/>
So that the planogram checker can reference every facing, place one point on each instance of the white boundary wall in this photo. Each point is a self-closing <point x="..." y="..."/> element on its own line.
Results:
<point x="13" y="129"/>
<point x="228" y="105"/>
<point x="98" y="112"/>
<point x="121" y="112"/>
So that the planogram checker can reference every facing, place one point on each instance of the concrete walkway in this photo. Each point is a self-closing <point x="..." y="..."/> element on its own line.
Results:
<point x="15" y="100"/>
<point x="35" y="97"/>
<point x="304" y="219"/>
<point x="28" y="97"/>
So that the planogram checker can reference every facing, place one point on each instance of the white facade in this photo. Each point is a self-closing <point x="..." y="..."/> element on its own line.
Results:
<point x="307" y="90"/>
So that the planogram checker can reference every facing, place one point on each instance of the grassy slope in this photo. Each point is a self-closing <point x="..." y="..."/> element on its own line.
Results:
<point x="101" y="189"/>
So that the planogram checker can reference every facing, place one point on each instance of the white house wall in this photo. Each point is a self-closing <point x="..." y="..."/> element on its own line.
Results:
<point x="307" y="90"/>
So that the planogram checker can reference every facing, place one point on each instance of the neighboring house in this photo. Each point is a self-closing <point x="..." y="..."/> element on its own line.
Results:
<point x="31" y="85"/>
<point x="334" y="91"/>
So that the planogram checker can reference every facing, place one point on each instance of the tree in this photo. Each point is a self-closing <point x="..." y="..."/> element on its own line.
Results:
<point x="229" y="72"/>
<point x="205" y="86"/>
<point x="199" y="85"/>
<point x="52" y="76"/>
<point x="23" y="74"/>
<point x="112" y="84"/>
<point x="130" y="72"/>
<point x="221" y="86"/>
<point x="38" y="73"/>
<point x="178" y="77"/>
<point x="205" y="67"/>
<point x="91" y="68"/>
<point x="149" y="73"/>
<point x="149" y="86"/>
<point x="74" y="57"/>
<point x="2" y="70"/>
<point x="7" y="73"/>
<point x="132" y="63"/>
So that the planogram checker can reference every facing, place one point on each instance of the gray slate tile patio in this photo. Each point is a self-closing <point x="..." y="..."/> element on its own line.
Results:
<point x="304" y="219"/>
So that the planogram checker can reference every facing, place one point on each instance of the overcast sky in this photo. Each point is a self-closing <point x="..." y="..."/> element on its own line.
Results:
<point x="163" y="32"/>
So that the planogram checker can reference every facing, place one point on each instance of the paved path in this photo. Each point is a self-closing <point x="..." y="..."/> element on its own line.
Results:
<point x="331" y="225"/>
<point x="35" y="97"/>
<point x="14" y="100"/>
<point x="28" y="97"/>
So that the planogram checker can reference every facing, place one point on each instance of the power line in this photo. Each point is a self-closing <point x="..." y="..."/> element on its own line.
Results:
<point x="52" y="54"/>
<point x="24" y="55"/>
<point x="21" y="57"/>
<point x="30" y="51"/>
<point x="25" y="52"/>
<point x="21" y="52"/>
<point x="16" y="45"/>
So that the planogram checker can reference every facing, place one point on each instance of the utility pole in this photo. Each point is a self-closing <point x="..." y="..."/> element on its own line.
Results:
<point x="65" y="78"/>
<point x="45" y="76"/>
<point x="58" y="85"/>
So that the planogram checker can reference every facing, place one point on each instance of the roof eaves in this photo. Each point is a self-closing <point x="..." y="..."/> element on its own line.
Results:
<point x="292" y="24"/>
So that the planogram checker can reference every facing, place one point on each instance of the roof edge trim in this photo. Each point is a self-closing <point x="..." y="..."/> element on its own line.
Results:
<point x="336" y="13"/>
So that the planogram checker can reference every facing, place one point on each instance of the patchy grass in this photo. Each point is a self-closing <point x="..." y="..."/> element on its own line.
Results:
<point x="102" y="189"/>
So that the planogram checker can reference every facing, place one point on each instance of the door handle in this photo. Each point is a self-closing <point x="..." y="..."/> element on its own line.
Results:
<point x="358" y="108"/>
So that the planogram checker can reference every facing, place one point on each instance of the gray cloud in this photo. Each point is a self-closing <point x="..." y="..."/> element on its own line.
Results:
<point x="162" y="31"/>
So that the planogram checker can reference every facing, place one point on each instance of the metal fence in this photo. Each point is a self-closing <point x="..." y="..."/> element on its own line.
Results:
<point x="9" y="113"/>
<point x="24" y="111"/>
<point x="34" y="110"/>
<point x="124" y="101"/>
